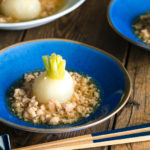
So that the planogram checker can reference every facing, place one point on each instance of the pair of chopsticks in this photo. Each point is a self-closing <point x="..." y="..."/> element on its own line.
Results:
<point x="119" y="136"/>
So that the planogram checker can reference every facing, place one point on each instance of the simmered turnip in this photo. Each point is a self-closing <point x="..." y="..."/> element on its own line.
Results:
<point x="21" y="9"/>
<point x="54" y="84"/>
<point x="47" y="89"/>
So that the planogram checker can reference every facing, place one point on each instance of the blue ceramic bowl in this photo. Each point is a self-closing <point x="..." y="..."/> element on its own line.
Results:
<point x="122" y="14"/>
<point x="108" y="72"/>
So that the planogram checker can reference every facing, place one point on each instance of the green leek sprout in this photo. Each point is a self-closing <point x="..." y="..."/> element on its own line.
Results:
<point x="55" y="66"/>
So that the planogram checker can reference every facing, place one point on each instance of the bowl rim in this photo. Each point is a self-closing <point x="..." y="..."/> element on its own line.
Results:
<point x="145" y="46"/>
<point x="122" y="103"/>
<point x="57" y="15"/>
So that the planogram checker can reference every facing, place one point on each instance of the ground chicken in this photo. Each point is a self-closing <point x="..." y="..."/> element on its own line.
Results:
<point x="84" y="101"/>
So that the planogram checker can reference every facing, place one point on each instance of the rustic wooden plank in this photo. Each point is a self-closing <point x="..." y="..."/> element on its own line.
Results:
<point x="87" y="24"/>
<point x="10" y="37"/>
<point x="137" y="111"/>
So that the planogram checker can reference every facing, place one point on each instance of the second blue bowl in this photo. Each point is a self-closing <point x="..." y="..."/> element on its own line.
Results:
<point x="122" y="14"/>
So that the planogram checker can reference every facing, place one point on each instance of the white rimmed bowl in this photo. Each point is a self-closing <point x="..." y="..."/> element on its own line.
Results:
<point x="69" y="6"/>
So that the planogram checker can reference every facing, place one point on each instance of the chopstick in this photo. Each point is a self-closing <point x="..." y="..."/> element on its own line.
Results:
<point x="102" y="143"/>
<point x="118" y="136"/>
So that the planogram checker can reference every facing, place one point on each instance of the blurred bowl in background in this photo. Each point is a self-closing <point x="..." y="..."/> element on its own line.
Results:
<point x="69" y="6"/>
<point x="123" y="13"/>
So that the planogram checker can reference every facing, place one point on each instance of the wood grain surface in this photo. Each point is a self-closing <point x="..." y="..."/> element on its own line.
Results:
<point x="137" y="111"/>
<point x="89" y="24"/>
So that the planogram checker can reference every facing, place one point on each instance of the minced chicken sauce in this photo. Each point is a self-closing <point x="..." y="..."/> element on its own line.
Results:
<point x="142" y="27"/>
<point x="84" y="102"/>
<point x="49" y="7"/>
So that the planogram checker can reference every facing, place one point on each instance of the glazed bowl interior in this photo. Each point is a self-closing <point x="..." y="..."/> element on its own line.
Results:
<point x="122" y="14"/>
<point x="107" y="71"/>
<point x="68" y="7"/>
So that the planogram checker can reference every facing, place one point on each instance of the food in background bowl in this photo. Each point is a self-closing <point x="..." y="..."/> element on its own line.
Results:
<point x="142" y="27"/>
<point x="24" y="10"/>
<point x="122" y="19"/>
<point x="55" y="96"/>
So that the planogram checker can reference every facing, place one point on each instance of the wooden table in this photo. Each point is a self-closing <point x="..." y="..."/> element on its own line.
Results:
<point x="89" y="24"/>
